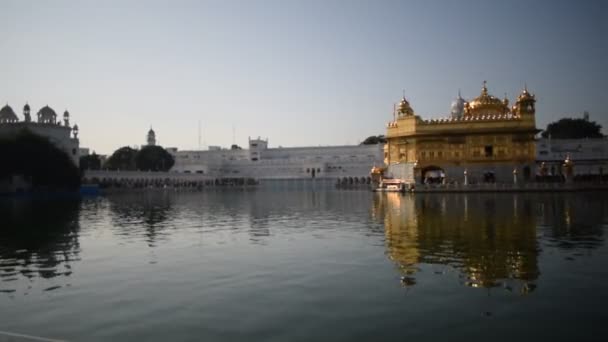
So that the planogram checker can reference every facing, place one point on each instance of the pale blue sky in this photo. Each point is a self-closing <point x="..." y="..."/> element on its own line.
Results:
<point x="298" y="72"/>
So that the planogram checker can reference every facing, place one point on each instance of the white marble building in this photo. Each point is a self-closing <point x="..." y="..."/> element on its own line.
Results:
<point x="262" y="162"/>
<point x="47" y="125"/>
<point x="590" y="156"/>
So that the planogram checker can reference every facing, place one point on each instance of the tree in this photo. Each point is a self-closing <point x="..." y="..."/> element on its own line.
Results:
<point x="374" y="140"/>
<point x="569" y="128"/>
<point x="90" y="162"/>
<point x="39" y="161"/>
<point x="154" y="158"/>
<point x="235" y="147"/>
<point x="122" y="159"/>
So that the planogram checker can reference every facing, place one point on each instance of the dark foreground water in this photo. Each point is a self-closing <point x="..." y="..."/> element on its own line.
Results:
<point x="304" y="265"/>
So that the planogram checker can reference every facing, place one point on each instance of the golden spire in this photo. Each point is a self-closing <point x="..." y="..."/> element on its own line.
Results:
<point x="484" y="89"/>
<point x="525" y="94"/>
<point x="404" y="108"/>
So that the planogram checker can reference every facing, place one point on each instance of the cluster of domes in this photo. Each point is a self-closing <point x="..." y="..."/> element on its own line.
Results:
<point x="488" y="105"/>
<point x="45" y="115"/>
<point x="483" y="107"/>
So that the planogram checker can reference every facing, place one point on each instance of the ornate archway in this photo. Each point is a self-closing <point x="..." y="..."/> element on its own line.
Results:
<point x="432" y="174"/>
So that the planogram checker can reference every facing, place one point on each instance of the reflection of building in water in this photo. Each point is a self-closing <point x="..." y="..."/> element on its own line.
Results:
<point x="575" y="220"/>
<point x="152" y="209"/>
<point x="491" y="246"/>
<point x="400" y="226"/>
<point x="38" y="238"/>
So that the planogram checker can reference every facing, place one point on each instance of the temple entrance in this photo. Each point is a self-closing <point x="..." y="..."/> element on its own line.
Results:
<point x="489" y="177"/>
<point x="432" y="175"/>
<point x="527" y="173"/>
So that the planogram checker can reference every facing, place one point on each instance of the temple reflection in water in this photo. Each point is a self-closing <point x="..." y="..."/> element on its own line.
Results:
<point x="38" y="239"/>
<point x="489" y="240"/>
<point x="492" y="240"/>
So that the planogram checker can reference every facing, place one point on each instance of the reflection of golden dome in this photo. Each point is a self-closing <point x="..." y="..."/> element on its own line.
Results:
<point x="486" y="104"/>
<point x="404" y="108"/>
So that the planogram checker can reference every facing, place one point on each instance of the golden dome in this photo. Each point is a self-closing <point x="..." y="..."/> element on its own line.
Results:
<point x="487" y="104"/>
<point x="525" y="95"/>
<point x="404" y="108"/>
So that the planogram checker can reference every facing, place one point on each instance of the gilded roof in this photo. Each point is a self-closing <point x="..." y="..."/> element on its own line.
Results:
<point x="486" y="103"/>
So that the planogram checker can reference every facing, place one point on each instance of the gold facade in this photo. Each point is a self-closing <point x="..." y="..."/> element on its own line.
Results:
<point x="484" y="132"/>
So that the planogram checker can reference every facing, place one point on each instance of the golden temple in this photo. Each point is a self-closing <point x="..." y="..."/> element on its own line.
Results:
<point x="483" y="138"/>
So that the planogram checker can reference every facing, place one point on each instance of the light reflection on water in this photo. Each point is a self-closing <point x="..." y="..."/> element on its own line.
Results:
<point x="292" y="264"/>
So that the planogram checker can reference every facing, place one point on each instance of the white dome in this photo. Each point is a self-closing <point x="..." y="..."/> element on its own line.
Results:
<point x="457" y="109"/>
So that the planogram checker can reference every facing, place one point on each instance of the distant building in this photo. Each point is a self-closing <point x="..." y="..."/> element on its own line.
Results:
<point x="47" y="125"/>
<point x="589" y="156"/>
<point x="151" y="138"/>
<point x="482" y="138"/>
<point x="262" y="162"/>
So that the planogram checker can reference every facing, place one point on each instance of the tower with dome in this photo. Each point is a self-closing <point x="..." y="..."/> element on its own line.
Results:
<point x="151" y="138"/>
<point x="482" y="138"/>
<point x="47" y="124"/>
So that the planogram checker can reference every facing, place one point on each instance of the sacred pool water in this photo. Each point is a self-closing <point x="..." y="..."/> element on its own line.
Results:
<point x="305" y="264"/>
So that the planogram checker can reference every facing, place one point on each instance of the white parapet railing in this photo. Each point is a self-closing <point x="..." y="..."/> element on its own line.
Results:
<point x="144" y="175"/>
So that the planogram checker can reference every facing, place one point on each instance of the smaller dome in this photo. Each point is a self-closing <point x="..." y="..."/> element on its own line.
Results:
<point x="525" y="95"/>
<point x="26" y="107"/>
<point x="404" y="108"/>
<point x="8" y="115"/>
<point x="66" y="114"/>
<point x="46" y="114"/>
<point x="457" y="109"/>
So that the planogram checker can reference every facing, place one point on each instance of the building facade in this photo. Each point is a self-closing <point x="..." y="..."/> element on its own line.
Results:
<point x="588" y="156"/>
<point x="483" y="140"/>
<point x="47" y="125"/>
<point x="263" y="162"/>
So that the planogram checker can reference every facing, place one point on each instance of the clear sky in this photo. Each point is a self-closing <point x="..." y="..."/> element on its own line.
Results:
<point x="298" y="72"/>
